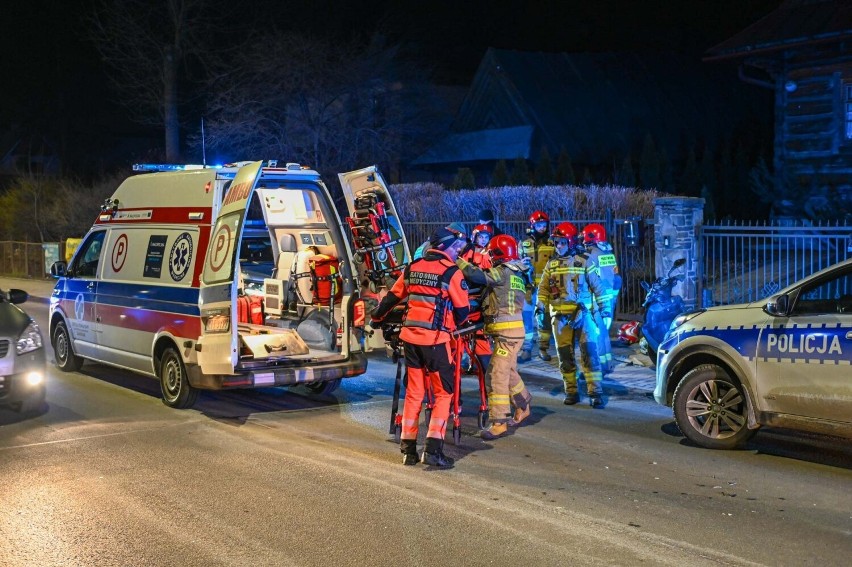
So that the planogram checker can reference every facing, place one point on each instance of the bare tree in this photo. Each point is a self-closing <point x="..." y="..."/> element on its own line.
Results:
<point x="329" y="105"/>
<point x="145" y="44"/>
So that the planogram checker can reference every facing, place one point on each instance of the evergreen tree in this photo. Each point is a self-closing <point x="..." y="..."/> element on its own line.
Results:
<point x="709" y="205"/>
<point x="500" y="175"/>
<point x="708" y="170"/>
<point x="726" y="189"/>
<point x="690" y="180"/>
<point x="544" y="169"/>
<point x="649" y="165"/>
<point x="520" y="172"/>
<point x="624" y="176"/>
<point x="666" y="173"/>
<point x="464" y="179"/>
<point x="564" y="169"/>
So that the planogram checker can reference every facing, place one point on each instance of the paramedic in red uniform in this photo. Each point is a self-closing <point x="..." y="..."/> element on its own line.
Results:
<point x="437" y="305"/>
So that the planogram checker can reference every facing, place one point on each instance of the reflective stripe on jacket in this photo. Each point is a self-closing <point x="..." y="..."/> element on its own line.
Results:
<point x="569" y="280"/>
<point x="539" y="251"/>
<point x="504" y="299"/>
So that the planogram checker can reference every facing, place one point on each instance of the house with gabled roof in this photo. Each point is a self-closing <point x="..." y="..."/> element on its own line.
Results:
<point x="802" y="51"/>
<point x="599" y="107"/>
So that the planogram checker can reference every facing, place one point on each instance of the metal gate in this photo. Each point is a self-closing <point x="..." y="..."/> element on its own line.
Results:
<point x="748" y="262"/>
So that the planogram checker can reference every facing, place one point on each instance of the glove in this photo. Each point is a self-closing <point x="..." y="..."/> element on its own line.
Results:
<point x="375" y="323"/>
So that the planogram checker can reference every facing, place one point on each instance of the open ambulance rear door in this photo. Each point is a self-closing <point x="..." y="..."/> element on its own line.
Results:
<point x="219" y="344"/>
<point x="379" y="247"/>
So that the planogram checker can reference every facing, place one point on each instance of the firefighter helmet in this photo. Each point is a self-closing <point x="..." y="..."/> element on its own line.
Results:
<point x="482" y="228"/>
<point x="628" y="333"/>
<point x="503" y="248"/>
<point x="593" y="233"/>
<point x="565" y="230"/>
<point x="538" y="216"/>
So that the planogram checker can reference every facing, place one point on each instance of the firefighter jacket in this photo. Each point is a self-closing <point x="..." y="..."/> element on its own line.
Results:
<point x="478" y="257"/>
<point x="503" y="303"/>
<point x="437" y="299"/>
<point x="603" y="256"/>
<point x="568" y="281"/>
<point x="539" y="249"/>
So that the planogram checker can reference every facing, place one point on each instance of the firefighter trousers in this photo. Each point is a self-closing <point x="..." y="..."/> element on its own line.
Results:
<point x="429" y="369"/>
<point x="566" y="341"/>
<point x="532" y="327"/>
<point x="502" y="381"/>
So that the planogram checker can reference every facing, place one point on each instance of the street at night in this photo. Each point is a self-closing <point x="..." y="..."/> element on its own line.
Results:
<point x="108" y="475"/>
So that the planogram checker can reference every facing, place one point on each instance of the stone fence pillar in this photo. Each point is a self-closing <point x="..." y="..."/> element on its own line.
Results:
<point x="677" y="224"/>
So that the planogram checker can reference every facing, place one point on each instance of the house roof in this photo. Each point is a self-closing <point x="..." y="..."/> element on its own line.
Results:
<point x="795" y="22"/>
<point x="493" y="144"/>
<point x="598" y="106"/>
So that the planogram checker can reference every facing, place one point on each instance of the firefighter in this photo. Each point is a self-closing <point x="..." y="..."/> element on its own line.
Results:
<point x="475" y="253"/>
<point x="566" y="279"/>
<point x="601" y="253"/>
<point x="503" y="305"/>
<point x="536" y="250"/>
<point x="437" y="305"/>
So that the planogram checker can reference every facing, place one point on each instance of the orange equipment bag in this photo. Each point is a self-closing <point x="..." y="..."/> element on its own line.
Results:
<point x="326" y="282"/>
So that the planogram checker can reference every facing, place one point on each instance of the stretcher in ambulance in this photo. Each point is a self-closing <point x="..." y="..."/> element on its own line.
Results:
<point x="214" y="278"/>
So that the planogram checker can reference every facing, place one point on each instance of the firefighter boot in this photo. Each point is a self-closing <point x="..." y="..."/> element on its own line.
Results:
<point x="596" y="401"/>
<point x="434" y="455"/>
<point x="571" y="399"/>
<point x="494" y="431"/>
<point x="408" y="448"/>
<point x="545" y="356"/>
<point x="526" y="356"/>
<point x="520" y="415"/>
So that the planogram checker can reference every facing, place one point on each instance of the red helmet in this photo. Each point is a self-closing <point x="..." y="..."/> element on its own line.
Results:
<point x="538" y="216"/>
<point x="565" y="230"/>
<point x="486" y="228"/>
<point x="593" y="233"/>
<point x="503" y="248"/>
<point x="628" y="333"/>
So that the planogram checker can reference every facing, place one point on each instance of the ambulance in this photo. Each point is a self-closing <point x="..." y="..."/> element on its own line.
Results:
<point x="240" y="276"/>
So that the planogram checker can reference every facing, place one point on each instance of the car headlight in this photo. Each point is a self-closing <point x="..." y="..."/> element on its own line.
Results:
<point x="29" y="340"/>
<point x="683" y="318"/>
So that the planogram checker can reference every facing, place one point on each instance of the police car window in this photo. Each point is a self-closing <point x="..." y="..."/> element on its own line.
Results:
<point x="87" y="264"/>
<point x="828" y="296"/>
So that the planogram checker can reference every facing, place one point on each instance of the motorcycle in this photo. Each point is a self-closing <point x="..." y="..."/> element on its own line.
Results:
<point x="660" y="308"/>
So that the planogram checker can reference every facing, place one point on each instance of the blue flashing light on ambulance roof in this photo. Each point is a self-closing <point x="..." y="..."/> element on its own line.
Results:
<point x="156" y="167"/>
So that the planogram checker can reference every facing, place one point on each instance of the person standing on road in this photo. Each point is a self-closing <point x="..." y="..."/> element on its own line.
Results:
<point x="565" y="281"/>
<point x="475" y="253"/>
<point x="503" y="306"/>
<point x="536" y="250"/>
<point x="437" y="305"/>
<point x="603" y="256"/>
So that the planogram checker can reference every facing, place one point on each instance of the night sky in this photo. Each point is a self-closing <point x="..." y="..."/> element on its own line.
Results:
<point x="55" y="86"/>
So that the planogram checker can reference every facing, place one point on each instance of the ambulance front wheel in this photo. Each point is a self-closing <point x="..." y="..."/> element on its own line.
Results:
<point x="66" y="360"/>
<point x="174" y="382"/>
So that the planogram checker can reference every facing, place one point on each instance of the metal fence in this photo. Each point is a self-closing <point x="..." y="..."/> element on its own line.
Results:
<point x="748" y="262"/>
<point x="31" y="260"/>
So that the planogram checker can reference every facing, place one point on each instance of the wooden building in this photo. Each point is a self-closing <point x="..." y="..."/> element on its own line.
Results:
<point x="803" y="51"/>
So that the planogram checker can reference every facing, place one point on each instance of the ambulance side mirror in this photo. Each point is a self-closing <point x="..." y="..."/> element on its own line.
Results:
<point x="59" y="269"/>
<point x="778" y="306"/>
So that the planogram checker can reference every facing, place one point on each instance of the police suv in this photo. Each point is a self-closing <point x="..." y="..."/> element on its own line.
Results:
<point x="783" y="362"/>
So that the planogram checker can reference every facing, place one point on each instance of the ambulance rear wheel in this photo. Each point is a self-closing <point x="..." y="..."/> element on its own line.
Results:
<point x="324" y="388"/>
<point x="66" y="360"/>
<point x="174" y="382"/>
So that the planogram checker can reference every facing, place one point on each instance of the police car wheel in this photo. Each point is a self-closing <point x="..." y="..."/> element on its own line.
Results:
<point x="66" y="360"/>
<point x="710" y="408"/>
<point x="323" y="388"/>
<point x="174" y="383"/>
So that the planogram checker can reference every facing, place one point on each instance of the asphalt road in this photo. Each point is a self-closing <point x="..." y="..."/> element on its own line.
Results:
<point x="108" y="475"/>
